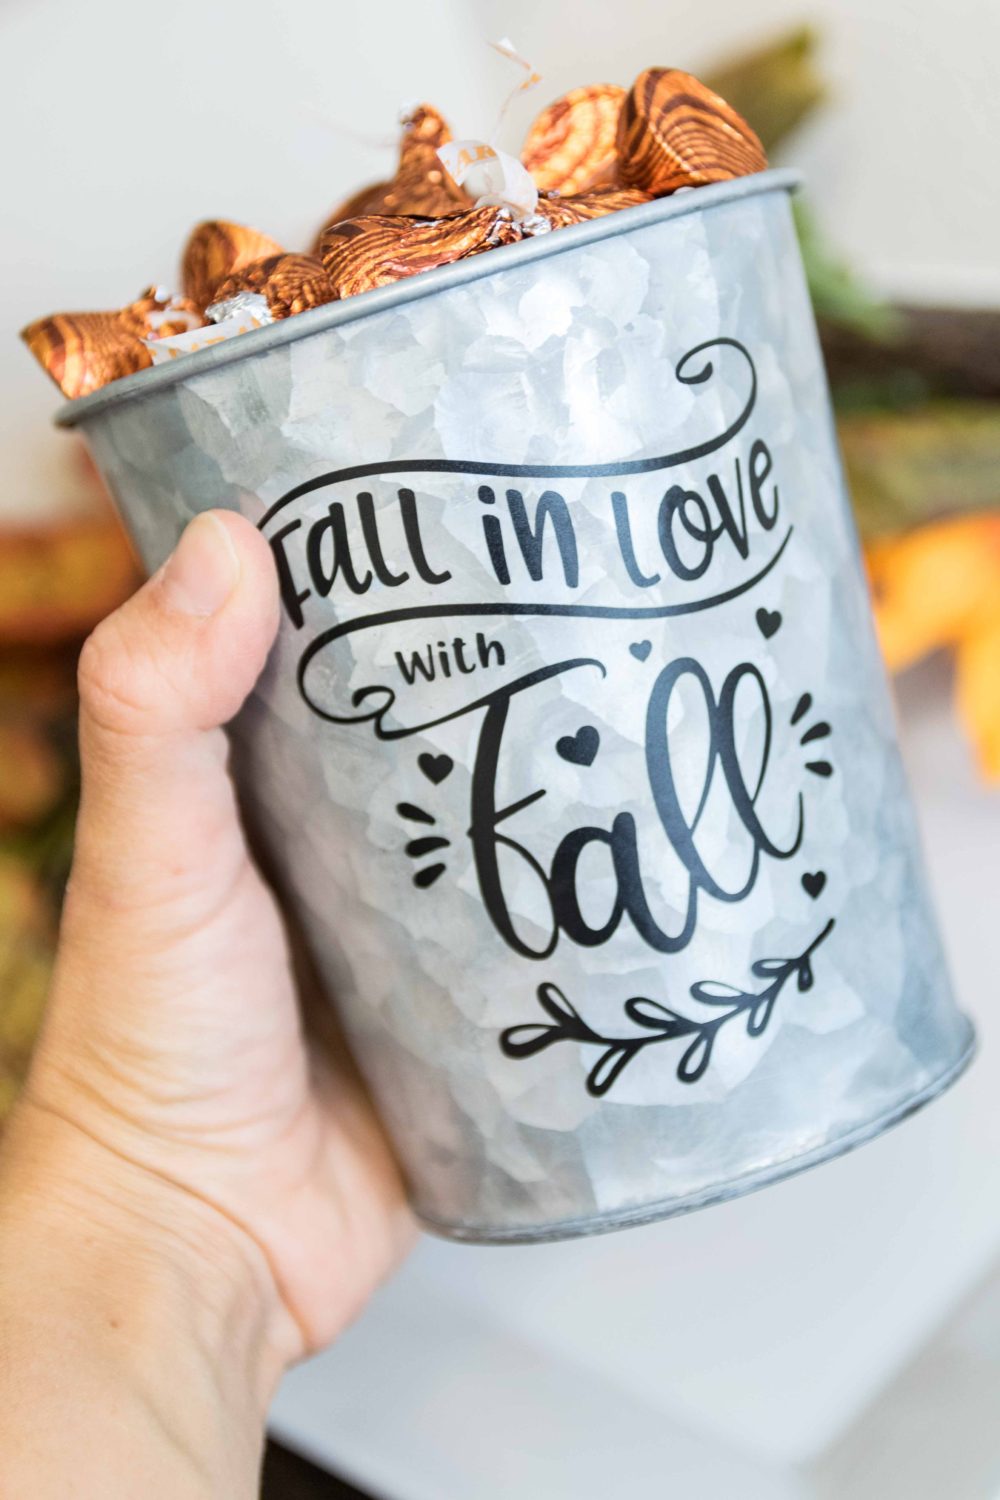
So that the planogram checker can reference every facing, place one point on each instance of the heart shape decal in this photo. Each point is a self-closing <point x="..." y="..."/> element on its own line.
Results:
<point x="768" y="622"/>
<point x="435" y="767"/>
<point x="580" y="748"/>
<point x="813" y="883"/>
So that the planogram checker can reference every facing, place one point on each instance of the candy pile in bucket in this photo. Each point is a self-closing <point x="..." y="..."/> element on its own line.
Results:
<point x="595" y="150"/>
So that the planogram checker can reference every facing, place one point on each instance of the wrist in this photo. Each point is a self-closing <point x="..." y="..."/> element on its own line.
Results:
<point x="153" y="1297"/>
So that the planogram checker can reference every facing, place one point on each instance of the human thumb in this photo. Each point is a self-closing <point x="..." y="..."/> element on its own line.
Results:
<point x="158" y="819"/>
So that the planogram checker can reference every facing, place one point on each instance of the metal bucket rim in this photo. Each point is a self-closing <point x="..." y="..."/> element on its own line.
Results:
<point x="365" y="304"/>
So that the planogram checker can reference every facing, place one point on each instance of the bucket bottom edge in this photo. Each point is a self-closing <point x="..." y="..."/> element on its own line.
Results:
<point x="670" y="1208"/>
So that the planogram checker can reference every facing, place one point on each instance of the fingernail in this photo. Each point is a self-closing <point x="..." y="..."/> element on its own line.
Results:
<point x="203" y="569"/>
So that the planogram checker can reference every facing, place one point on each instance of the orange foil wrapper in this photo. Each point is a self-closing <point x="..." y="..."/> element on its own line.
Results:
<point x="571" y="147"/>
<point x="360" y="254"/>
<point x="562" y="212"/>
<point x="421" y="186"/>
<point x="82" y="352"/>
<point x="217" y="250"/>
<point x="674" y="132"/>
<point x="290" y="283"/>
<point x="592" y="152"/>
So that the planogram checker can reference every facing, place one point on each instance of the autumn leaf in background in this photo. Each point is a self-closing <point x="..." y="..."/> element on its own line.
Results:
<point x="939" y="587"/>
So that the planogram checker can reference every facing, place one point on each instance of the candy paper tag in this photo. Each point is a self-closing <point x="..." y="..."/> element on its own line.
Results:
<point x="491" y="176"/>
<point x="506" y="49"/>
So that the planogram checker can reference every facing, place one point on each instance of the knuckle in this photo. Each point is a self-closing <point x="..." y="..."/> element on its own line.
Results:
<point x="113" y="686"/>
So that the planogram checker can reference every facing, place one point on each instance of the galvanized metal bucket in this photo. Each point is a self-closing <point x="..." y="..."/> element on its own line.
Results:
<point x="575" y="753"/>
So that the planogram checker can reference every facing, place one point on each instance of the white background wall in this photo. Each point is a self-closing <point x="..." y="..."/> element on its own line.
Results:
<point x="125" y="121"/>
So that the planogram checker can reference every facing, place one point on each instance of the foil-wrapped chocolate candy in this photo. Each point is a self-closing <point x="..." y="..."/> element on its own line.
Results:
<point x="82" y="352"/>
<point x="421" y="186"/>
<point x="571" y="146"/>
<point x="562" y="212"/>
<point x="376" y="250"/>
<point x="674" y="132"/>
<point x="216" y="250"/>
<point x="595" y="150"/>
<point x="290" y="283"/>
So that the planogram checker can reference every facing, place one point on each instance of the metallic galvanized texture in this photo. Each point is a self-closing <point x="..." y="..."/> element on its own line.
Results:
<point x="575" y="753"/>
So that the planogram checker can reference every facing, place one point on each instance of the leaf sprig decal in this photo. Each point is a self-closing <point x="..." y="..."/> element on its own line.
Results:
<point x="662" y="1024"/>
